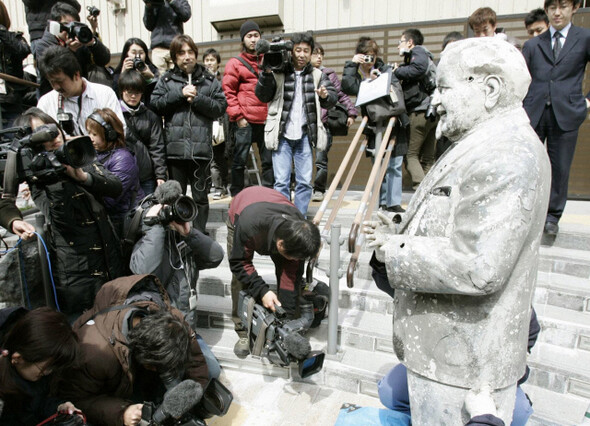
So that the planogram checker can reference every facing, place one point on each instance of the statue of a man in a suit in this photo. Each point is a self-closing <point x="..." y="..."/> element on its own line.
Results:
<point x="463" y="261"/>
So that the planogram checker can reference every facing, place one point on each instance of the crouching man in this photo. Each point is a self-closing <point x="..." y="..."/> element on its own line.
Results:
<point x="262" y="220"/>
<point x="134" y="345"/>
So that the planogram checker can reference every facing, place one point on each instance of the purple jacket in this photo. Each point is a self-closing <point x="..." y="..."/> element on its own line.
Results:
<point x="121" y="163"/>
<point x="342" y="97"/>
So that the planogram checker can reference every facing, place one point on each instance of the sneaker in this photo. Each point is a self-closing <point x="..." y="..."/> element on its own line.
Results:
<point x="220" y="194"/>
<point x="396" y="209"/>
<point x="242" y="348"/>
<point x="317" y="196"/>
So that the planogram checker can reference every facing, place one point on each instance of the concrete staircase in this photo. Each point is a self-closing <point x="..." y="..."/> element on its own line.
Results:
<point x="559" y="384"/>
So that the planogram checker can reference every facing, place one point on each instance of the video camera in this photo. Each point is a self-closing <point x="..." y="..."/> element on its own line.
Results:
<point x="277" y="54"/>
<point x="175" y="206"/>
<point x="278" y="339"/>
<point x="24" y="158"/>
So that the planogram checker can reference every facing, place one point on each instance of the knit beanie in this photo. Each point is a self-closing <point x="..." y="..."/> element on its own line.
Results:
<point x="247" y="27"/>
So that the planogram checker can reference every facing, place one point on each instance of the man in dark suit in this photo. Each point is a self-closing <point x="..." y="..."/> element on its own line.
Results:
<point x="555" y="104"/>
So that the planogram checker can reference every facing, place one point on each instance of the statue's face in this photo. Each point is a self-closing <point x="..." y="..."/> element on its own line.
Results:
<point x="459" y="99"/>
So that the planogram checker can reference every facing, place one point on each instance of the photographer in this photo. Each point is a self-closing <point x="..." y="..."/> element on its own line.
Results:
<point x="134" y="56"/>
<point x="37" y="14"/>
<point x="366" y="64"/>
<point x="262" y="220"/>
<point x="297" y="87"/>
<point x="418" y="86"/>
<point x="13" y="50"/>
<point x="84" y="250"/>
<point x="190" y="98"/>
<point x="73" y="98"/>
<point x="35" y="347"/>
<point x="165" y="18"/>
<point x="134" y="346"/>
<point x="88" y="53"/>
<point x="170" y="248"/>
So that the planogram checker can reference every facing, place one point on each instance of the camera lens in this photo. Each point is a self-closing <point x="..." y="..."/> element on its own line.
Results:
<point x="184" y="209"/>
<point x="83" y="34"/>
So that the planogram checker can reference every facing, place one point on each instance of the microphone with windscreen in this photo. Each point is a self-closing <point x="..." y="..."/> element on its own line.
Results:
<point x="178" y="401"/>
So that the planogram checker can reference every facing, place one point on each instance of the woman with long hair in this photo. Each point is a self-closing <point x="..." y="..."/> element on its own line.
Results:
<point x="108" y="137"/>
<point x="135" y="56"/>
<point x="36" y="347"/>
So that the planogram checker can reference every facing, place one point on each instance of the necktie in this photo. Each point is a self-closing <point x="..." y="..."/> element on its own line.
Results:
<point x="556" y="45"/>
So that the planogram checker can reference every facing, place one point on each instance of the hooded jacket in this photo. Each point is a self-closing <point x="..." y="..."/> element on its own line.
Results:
<point x="102" y="385"/>
<point x="188" y="125"/>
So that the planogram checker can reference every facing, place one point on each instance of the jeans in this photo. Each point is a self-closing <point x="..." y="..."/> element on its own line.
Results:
<point x="243" y="139"/>
<point x="212" y="363"/>
<point x="148" y="186"/>
<point x="299" y="152"/>
<point x="321" y="167"/>
<point x="391" y="187"/>
<point x="219" y="167"/>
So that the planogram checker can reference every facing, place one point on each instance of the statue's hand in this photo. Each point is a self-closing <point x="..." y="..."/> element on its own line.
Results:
<point x="377" y="232"/>
<point x="479" y="402"/>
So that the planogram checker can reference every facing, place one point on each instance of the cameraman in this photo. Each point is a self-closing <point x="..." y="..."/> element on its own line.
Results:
<point x="165" y="18"/>
<point x="292" y="131"/>
<point x="171" y="249"/>
<point x="412" y="74"/>
<point x="92" y="52"/>
<point x="262" y="220"/>
<point x="134" y="346"/>
<point x="84" y="249"/>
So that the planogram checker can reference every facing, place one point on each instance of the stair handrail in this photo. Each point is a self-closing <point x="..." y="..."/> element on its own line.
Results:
<point x="354" y="229"/>
<point x="12" y="79"/>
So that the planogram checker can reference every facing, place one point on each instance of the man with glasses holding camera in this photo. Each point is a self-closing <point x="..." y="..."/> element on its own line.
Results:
<point x="65" y="29"/>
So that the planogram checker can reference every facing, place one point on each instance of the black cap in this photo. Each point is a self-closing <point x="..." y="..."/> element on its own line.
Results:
<point x="247" y="27"/>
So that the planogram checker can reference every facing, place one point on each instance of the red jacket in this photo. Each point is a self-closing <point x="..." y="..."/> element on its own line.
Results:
<point x="238" y="85"/>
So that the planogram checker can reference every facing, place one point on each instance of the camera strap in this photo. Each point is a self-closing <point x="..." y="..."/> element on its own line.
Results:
<point x="247" y="65"/>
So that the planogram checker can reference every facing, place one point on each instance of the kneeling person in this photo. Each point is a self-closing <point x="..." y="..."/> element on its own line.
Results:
<point x="262" y="220"/>
<point x="134" y="345"/>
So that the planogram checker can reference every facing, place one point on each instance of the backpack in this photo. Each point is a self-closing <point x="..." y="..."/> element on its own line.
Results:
<point x="428" y="82"/>
<point x="337" y="118"/>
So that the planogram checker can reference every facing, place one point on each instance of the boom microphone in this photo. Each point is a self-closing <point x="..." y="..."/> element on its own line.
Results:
<point x="262" y="46"/>
<point x="168" y="192"/>
<point x="44" y="133"/>
<point x="297" y="345"/>
<point x="178" y="400"/>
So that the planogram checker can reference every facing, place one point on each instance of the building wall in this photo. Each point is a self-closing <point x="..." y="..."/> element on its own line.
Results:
<point x="297" y="15"/>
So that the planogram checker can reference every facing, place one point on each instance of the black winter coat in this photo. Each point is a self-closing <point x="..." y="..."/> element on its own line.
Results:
<point x="266" y="88"/>
<point x="351" y="82"/>
<point x="165" y="21"/>
<point x="85" y="252"/>
<point x="188" y="126"/>
<point x="411" y="73"/>
<point x="98" y="54"/>
<point x="38" y="13"/>
<point x="145" y="138"/>
<point x="13" y="50"/>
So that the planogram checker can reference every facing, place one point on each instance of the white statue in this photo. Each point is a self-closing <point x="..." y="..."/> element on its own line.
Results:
<point x="463" y="261"/>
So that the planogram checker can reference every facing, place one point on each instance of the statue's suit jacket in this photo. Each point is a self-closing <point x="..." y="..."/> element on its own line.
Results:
<point x="465" y="263"/>
<point x="559" y="82"/>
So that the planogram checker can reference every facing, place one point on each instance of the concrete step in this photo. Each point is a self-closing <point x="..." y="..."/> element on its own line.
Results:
<point x="554" y="409"/>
